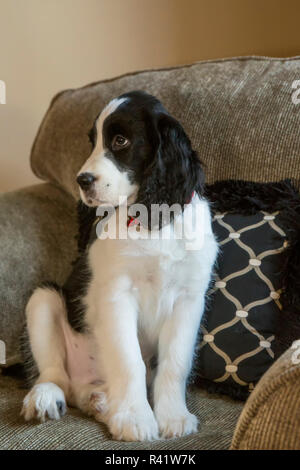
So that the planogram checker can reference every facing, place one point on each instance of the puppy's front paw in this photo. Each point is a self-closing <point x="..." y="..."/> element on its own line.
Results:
<point x="134" y="424"/>
<point x="177" y="425"/>
<point x="44" y="400"/>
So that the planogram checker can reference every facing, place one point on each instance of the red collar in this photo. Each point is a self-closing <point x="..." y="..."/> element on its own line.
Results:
<point x="132" y="221"/>
<point x="193" y="194"/>
<point x="135" y="221"/>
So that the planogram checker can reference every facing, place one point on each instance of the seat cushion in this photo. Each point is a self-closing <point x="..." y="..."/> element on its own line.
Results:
<point x="239" y="113"/>
<point x="217" y="414"/>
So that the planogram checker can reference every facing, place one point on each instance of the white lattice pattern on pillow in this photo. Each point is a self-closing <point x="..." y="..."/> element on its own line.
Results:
<point x="255" y="261"/>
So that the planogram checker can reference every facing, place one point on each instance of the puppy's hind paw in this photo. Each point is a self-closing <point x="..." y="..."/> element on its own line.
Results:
<point x="98" y="405"/>
<point x="44" y="400"/>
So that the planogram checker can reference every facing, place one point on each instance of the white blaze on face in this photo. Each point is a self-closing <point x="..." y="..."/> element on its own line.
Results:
<point x="111" y="183"/>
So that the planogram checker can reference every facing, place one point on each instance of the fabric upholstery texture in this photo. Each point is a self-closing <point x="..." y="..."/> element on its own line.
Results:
<point x="271" y="418"/>
<point x="238" y="113"/>
<point x="37" y="230"/>
<point x="217" y="414"/>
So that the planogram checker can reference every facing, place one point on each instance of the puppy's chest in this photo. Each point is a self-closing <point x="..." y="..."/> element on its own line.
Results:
<point x="156" y="271"/>
<point x="155" y="261"/>
<point x="157" y="280"/>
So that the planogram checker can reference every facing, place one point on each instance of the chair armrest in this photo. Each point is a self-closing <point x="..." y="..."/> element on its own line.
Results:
<point x="38" y="225"/>
<point x="271" y="416"/>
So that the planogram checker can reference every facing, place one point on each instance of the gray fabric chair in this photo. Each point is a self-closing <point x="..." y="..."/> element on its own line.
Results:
<point x="241" y="118"/>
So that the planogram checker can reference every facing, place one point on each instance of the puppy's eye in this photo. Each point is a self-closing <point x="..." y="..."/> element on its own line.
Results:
<point x="119" y="142"/>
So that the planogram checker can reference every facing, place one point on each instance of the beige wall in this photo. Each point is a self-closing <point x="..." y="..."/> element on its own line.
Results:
<point x="49" y="45"/>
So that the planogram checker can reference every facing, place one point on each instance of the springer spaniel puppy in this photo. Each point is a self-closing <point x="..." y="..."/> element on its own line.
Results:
<point x="133" y="304"/>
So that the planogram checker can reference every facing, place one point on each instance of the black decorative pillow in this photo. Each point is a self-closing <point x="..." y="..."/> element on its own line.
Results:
<point x="257" y="280"/>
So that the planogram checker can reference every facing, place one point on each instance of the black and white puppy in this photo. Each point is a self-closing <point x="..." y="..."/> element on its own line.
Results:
<point x="137" y="298"/>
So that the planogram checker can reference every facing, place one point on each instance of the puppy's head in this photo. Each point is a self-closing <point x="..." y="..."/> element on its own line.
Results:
<point x="141" y="152"/>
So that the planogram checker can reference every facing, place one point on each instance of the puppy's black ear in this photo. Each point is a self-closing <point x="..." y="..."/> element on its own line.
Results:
<point x="175" y="172"/>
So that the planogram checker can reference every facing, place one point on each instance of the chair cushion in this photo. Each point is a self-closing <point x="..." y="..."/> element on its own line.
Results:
<point x="218" y="416"/>
<point x="239" y="114"/>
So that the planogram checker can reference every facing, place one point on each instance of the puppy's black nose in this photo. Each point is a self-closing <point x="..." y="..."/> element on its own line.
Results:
<point x="85" y="180"/>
